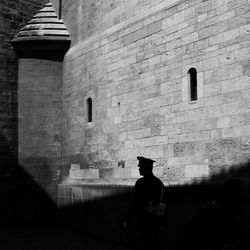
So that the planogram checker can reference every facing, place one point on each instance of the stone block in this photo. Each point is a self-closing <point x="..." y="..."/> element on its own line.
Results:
<point x="213" y="100"/>
<point x="141" y="33"/>
<point x="174" y="173"/>
<point x="167" y="130"/>
<point x="128" y="39"/>
<point x="217" y="111"/>
<point x="190" y="38"/>
<point x="129" y="144"/>
<point x="184" y="30"/>
<point x="146" y="132"/>
<point x="197" y="114"/>
<point x="173" y="138"/>
<point x="172" y="98"/>
<point x="210" y="63"/>
<point x="185" y="160"/>
<point x="246" y="69"/>
<point x="231" y="34"/>
<point x="226" y="16"/>
<point x="185" y="25"/>
<point x="196" y="171"/>
<point x="212" y="89"/>
<point x="168" y="22"/>
<point x="216" y="134"/>
<point x="75" y="167"/>
<point x="170" y="119"/>
<point x="179" y="17"/>
<point x="106" y="173"/>
<point x="189" y="13"/>
<point x="84" y="174"/>
<point x="153" y="152"/>
<point x="242" y="54"/>
<point x="122" y="173"/>
<point x="155" y="27"/>
<point x="168" y="151"/>
<point x="205" y="33"/>
<point x="244" y="30"/>
<point x="205" y="135"/>
<point x="207" y="124"/>
<point x="189" y="149"/>
<point x="182" y="116"/>
<point x="227" y="86"/>
<point x="154" y="60"/>
<point x="202" y="17"/>
<point x="228" y="132"/>
<point x="188" y="127"/>
<point x="184" y="137"/>
<point x="179" y="149"/>
<point x="173" y="161"/>
<point x="169" y="87"/>
<point x="194" y="136"/>
<point x="223" y="122"/>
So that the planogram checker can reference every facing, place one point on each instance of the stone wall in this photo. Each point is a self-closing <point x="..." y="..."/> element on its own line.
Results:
<point x="39" y="121"/>
<point x="87" y="18"/>
<point x="136" y="73"/>
<point x="13" y="16"/>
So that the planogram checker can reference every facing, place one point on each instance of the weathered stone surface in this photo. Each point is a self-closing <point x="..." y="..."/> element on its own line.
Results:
<point x="39" y="111"/>
<point x="132" y="59"/>
<point x="196" y="171"/>
<point x="12" y="17"/>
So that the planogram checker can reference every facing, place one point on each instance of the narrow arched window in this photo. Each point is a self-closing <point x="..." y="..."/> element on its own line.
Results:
<point x="193" y="84"/>
<point x="89" y="109"/>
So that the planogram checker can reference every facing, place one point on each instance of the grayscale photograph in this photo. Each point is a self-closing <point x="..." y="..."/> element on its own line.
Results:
<point x="125" y="124"/>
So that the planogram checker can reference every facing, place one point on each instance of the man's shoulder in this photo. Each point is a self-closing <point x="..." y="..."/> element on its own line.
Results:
<point x="158" y="180"/>
<point x="139" y="181"/>
<point x="151" y="179"/>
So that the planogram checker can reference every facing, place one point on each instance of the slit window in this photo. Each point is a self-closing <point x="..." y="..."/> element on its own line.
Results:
<point x="193" y="84"/>
<point x="89" y="109"/>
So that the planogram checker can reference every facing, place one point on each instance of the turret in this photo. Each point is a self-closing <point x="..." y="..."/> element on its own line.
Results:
<point x="41" y="46"/>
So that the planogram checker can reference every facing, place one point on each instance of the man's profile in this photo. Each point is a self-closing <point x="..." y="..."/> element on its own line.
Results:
<point x="147" y="197"/>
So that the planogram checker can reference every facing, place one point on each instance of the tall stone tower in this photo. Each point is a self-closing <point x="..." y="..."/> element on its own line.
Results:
<point x="41" y="46"/>
<point x="13" y="16"/>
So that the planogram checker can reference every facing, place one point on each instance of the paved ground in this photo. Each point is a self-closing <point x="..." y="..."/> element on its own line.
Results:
<point x="50" y="239"/>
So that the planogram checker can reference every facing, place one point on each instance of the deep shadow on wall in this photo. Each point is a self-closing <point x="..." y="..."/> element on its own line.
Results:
<point x="103" y="217"/>
<point x="23" y="201"/>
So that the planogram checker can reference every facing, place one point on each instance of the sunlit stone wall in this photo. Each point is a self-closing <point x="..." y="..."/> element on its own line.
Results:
<point x="132" y="59"/>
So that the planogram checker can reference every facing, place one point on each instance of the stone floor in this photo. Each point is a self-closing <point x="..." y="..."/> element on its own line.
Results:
<point x="50" y="239"/>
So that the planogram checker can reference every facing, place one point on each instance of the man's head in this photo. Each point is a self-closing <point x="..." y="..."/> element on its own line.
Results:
<point x="145" y="165"/>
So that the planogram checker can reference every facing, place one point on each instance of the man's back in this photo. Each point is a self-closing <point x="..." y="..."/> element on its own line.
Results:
<point x="147" y="196"/>
<point x="149" y="189"/>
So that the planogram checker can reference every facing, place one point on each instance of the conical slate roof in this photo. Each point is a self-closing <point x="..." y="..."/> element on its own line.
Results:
<point x="44" y="37"/>
<point x="44" y="25"/>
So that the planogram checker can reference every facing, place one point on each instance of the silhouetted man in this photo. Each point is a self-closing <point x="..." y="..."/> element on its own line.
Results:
<point x="148" y="194"/>
<point x="216" y="225"/>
